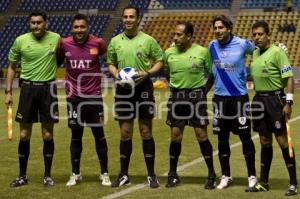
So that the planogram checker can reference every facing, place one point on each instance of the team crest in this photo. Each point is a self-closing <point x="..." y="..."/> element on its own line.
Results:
<point x="242" y="120"/>
<point x="94" y="51"/>
<point x="67" y="54"/>
<point x="277" y="125"/>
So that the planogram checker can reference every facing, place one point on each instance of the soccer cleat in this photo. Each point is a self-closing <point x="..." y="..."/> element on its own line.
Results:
<point x="19" y="181"/>
<point x="105" y="179"/>
<point x="252" y="180"/>
<point x="74" y="179"/>
<point x="259" y="187"/>
<point x="292" y="190"/>
<point x="122" y="180"/>
<point x="152" y="181"/>
<point x="173" y="181"/>
<point x="225" y="182"/>
<point x="210" y="182"/>
<point x="48" y="182"/>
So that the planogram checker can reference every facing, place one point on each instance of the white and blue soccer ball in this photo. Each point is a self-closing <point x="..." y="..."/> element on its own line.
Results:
<point x="127" y="76"/>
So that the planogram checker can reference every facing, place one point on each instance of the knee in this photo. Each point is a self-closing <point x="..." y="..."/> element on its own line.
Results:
<point x="202" y="137"/>
<point x="48" y="136"/>
<point x="24" y="136"/>
<point x="145" y="134"/>
<point x="265" y="142"/>
<point x="126" y="135"/>
<point x="176" y="137"/>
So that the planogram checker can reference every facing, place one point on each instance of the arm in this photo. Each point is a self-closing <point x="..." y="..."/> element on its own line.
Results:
<point x="209" y="83"/>
<point x="154" y="69"/>
<point x="113" y="70"/>
<point x="287" y="109"/>
<point x="9" y="81"/>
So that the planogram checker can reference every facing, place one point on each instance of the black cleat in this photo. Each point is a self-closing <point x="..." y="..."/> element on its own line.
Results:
<point x="173" y="181"/>
<point x="19" y="181"/>
<point x="292" y="190"/>
<point x="48" y="182"/>
<point x="152" y="181"/>
<point x="259" y="187"/>
<point x="122" y="180"/>
<point x="210" y="182"/>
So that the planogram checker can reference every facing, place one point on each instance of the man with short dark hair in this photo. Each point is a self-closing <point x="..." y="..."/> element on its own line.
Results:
<point x="83" y="89"/>
<point x="185" y="65"/>
<point x="134" y="48"/>
<point x="271" y="108"/>
<point x="36" y="51"/>
<point x="231" y="102"/>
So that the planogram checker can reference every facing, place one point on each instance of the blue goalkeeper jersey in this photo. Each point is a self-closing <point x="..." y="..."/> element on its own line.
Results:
<point x="229" y="70"/>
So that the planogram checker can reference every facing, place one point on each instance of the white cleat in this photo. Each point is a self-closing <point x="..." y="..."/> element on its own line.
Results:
<point x="105" y="179"/>
<point x="252" y="180"/>
<point x="225" y="182"/>
<point x="74" y="179"/>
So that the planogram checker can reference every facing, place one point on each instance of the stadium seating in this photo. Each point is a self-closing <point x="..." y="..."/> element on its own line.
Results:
<point x="66" y="5"/>
<point x="267" y="4"/>
<point x="17" y="25"/>
<point x="189" y="4"/>
<point x="4" y="5"/>
<point x="290" y="39"/>
<point x="161" y="26"/>
<point x="141" y="4"/>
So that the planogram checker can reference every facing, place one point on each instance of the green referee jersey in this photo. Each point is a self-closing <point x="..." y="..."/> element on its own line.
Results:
<point x="271" y="69"/>
<point x="136" y="52"/>
<point x="37" y="57"/>
<point x="187" y="69"/>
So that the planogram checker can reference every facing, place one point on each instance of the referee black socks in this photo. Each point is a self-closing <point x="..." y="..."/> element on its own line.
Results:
<point x="174" y="152"/>
<point x="48" y="156"/>
<point x="23" y="150"/>
<point x="149" y="154"/>
<point x="266" y="157"/>
<point x="291" y="165"/>
<point x="206" y="150"/>
<point x="125" y="153"/>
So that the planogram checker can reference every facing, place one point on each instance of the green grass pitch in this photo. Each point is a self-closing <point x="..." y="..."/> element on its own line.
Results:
<point x="193" y="177"/>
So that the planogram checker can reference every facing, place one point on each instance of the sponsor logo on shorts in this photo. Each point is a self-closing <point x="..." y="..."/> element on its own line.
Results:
<point x="215" y="122"/>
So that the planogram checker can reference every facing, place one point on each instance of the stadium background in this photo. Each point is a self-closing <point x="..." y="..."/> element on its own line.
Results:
<point x="158" y="20"/>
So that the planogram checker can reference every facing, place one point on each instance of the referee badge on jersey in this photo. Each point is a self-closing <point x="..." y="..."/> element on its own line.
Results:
<point x="242" y="120"/>
<point x="94" y="51"/>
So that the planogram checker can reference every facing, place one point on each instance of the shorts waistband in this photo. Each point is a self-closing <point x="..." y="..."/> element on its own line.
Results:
<point x="269" y="93"/>
<point x="187" y="89"/>
<point x="36" y="83"/>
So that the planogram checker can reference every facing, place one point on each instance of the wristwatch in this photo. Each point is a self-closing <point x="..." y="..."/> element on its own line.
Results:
<point x="289" y="102"/>
<point x="7" y="91"/>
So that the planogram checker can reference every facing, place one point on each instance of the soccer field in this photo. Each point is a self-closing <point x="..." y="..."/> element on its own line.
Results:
<point x="192" y="173"/>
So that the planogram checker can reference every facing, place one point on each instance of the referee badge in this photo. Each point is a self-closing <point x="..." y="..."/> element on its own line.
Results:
<point x="94" y="51"/>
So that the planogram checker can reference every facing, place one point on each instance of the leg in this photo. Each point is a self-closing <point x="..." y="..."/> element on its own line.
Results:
<point x="249" y="153"/>
<point x="207" y="152"/>
<point x="76" y="149"/>
<point x="23" y="150"/>
<point x="290" y="162"/>
<point x="266" y="156"/>
<point x="174" y="152"/>
<point x="206" y="149"/>
<point x="101" y="148"/>
<point x="224" y="156"/>
<point x="126" y="127"/>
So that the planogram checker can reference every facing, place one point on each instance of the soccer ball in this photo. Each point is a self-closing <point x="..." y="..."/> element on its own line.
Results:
<point x="127" y="77"/>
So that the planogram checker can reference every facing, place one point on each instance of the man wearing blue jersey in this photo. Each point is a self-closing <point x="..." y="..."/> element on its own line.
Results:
<point x="231" y="102"/>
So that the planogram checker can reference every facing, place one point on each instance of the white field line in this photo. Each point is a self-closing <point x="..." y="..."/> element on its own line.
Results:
<point x="180" y="168"/>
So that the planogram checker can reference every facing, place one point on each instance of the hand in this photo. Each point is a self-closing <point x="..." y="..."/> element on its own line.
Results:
<point x="282" y="46"/>
<point x="8" y="100"/>
<point x="142" y="75"/>
<point x="287" y="111"/>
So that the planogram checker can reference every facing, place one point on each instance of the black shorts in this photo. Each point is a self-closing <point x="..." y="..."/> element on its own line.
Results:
<point x="85" y="112"/>
<point x="135" y="103"/>
<point x="231" y="113"/>
<point x="38" y="102"/>
<point x="267" y="112"/>
<point x="187" y="107"/>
